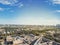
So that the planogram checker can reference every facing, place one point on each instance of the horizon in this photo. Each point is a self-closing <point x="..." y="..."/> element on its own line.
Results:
<point x="29" y="24"/>
<point x="30" y="12"/>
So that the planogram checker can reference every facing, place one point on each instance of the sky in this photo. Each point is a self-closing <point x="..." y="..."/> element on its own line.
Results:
<point x="30" y="12"/>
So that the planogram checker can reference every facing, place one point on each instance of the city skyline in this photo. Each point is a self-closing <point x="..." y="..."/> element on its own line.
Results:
<point x="30" y="12"/>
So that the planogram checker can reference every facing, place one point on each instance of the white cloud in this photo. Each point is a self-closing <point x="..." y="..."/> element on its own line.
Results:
<point x="55" y="1"/>
<point x="12" y="3"/>
<point x="1" y="9"/>
<point x="5" y="2"/>
<point x="20" y="5"/>
<point x="8" y="2"/>
<point x="58" y="11"/>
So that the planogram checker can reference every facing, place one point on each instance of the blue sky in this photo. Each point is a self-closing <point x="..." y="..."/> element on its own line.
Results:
<point x="30" y="12"/>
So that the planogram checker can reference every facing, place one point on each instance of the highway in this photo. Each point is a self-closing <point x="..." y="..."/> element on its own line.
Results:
<point x="38" y="41"/>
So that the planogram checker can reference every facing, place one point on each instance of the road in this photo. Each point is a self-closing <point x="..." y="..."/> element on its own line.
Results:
<point x="38" y="41"/>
